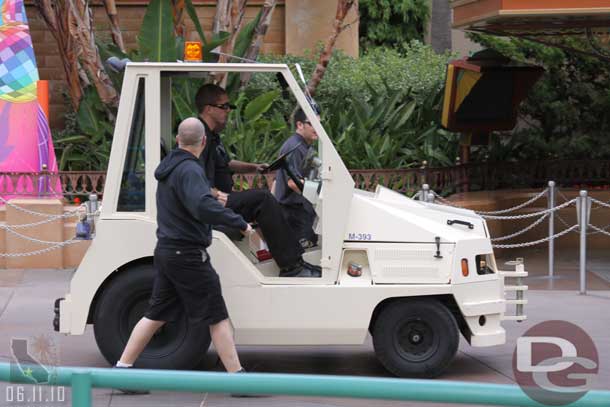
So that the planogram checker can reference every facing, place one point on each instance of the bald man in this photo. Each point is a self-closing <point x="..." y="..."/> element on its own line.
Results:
<point x="185" y="281"/>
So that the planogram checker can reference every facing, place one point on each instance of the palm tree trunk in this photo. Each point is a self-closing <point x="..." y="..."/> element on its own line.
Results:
<point x="238" y="9"/>
<point x="57" y="20"/>
<point x="259" y="34"/>
<point x="82" y="31"/>
<point x="178" y="11"/>
<point x="229" y="17"/>
<point x="222" y="18"/>
<point x="115" y="29"/>
<point x="343" y="7"/>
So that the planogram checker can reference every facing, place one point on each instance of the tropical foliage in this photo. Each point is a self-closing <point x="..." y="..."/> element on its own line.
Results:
<point x="158" y="41"/>
<point x="382" y="110"/>
<point x="392" y="23"/>
<point x="565" y="114"/>
<point x="391" y="130"/>
<point x="253" y="133"/>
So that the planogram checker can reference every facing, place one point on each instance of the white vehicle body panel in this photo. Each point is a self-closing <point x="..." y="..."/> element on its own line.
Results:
<point x="390" y="235"/>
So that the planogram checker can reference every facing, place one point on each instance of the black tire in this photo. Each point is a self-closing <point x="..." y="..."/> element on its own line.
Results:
<point x="415" y="338"/>
<point x="177" y="345"/>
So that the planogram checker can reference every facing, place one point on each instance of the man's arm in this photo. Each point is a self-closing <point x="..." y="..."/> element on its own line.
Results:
<point x="293" y="186"/>
<point x="241" y="167"/>
<point x="294" y="161"/>
<point x="196" y="196"/>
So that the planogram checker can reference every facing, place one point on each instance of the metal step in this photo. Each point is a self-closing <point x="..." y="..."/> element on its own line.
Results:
<point x="514" y="317"/>
<point x="513" y="274"/>
<point x="522" y="302"/>
<point x="515" y="288"/>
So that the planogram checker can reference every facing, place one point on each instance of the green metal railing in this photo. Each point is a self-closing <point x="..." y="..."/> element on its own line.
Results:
<point x="83" y="380"/>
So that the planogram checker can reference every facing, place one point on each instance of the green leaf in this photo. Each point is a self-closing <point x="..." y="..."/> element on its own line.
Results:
<point x="258" y="106"/>
<point x="244" y="38"/>
<point x="180" y="47"/>
<point x="193" y="15"/>
<point x="157" y="40"/>
<point x="408" y="112"/>
<point x="216" y="41"/>
<point x="182" y="107"/>
<point x="69" y="139"/>
<point x="88" y="117"/>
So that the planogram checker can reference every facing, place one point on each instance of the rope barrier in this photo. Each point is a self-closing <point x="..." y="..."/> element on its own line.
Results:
<point x="603" y="231"/>
<point x="531" y="215"/>
<point x="522" y="231"/>
<point x="527" y="244"/>
<point x="53" y="245"/>
<point x="600" y="203"/>
<point x="68" y="214"/>
<point x="515" y="208"/>
<point x="543" y="215"/>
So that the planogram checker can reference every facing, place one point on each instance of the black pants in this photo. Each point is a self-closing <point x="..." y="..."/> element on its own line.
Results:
<point x="186" y="282"/>
<point x="260" y="206"/>
<point x="301" y="216"/>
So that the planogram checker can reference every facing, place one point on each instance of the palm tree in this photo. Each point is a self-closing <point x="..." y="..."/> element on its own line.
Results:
<point x="71" y="24"/>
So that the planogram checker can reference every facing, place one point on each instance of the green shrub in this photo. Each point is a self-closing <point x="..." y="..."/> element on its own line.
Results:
<point x="417" y="70"/>
<point x="391" y="130"/>
<point x="363" y="105"/>
<point x="251" y="134"/>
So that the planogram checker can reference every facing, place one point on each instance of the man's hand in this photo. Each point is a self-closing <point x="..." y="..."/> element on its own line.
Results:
<point x="261" y="167"/>
<point x="222" y="197"/>
<point x="248" y="231"/>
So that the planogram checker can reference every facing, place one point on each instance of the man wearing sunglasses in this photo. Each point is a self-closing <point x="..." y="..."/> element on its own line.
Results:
<point x="255" y="205"/>
<point x="298" y="211"/>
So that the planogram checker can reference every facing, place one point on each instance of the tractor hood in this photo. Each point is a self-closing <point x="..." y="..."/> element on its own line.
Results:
<point x="390" y="217"/>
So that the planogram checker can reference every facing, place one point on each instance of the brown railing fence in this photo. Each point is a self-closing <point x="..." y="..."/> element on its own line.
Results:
<point x="447" y="180"/>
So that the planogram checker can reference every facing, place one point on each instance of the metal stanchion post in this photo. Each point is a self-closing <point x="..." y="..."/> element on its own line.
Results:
<point x="425" y="191"/>
<point x="551" y="201"/>
<point x="92" y="207"/>
<point x="583" y="221"/>
<point x="43" y="181"/>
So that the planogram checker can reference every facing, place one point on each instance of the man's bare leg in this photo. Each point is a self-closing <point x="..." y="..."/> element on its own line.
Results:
<point x="139" y="338"/>
<point x="222" y="337"/>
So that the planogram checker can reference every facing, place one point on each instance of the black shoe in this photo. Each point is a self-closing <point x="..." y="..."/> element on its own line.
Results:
<point x="316" y="271"/>
<point x="128" y="391"/>
<point x="298" y="270"/>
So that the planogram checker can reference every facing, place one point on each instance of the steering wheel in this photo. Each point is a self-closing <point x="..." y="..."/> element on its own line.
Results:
<point x="281" y="162"/>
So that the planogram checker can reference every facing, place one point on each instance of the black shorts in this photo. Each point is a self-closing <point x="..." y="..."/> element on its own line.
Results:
<point x="186" y="282"/>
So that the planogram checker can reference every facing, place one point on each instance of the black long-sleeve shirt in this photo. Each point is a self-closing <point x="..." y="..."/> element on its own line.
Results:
<point x="185" y="207"/>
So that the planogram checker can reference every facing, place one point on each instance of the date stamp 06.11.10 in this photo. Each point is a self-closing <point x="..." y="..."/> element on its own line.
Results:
<point x="32" y="370"/>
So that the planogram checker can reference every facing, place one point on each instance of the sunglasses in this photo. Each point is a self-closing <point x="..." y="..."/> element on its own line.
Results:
<point x="224" y="106"/>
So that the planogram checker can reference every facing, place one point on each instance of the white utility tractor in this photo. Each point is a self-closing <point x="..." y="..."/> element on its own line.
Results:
<point x="412" y="274"/>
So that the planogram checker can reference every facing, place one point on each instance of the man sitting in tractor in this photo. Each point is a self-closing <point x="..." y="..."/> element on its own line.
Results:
<point x="255" y="205"/>
<point x="298" y="211"/>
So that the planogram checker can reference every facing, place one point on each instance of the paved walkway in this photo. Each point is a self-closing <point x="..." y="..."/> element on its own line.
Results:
<point x="26" y="301"/>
